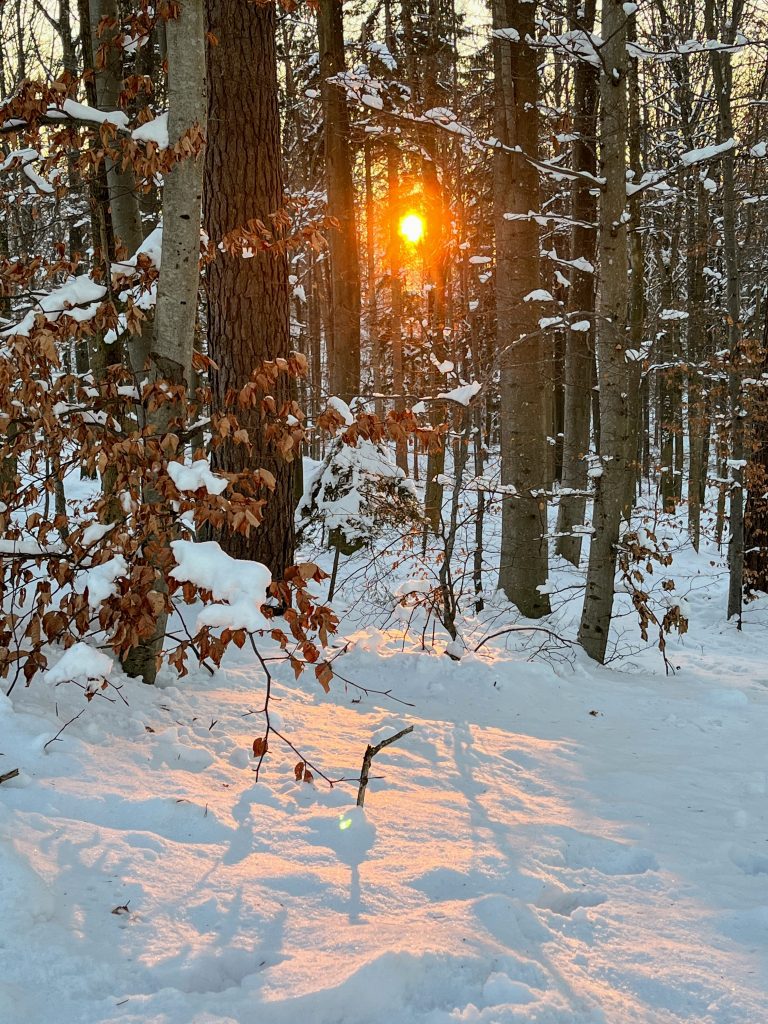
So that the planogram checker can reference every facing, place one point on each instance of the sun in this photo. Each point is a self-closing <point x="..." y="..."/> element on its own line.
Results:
<point x="412" y="228"/>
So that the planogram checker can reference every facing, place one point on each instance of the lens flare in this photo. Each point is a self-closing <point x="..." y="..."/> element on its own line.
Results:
<point x="412" y="228"/>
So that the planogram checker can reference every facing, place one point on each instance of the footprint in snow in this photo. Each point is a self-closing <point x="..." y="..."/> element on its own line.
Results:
<point x="564" y="901"/>
<point x="748" y="862"/>
<point x="607" y="856"/>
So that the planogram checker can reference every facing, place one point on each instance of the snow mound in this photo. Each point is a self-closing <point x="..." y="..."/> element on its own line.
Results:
<point x="241" y="585"/>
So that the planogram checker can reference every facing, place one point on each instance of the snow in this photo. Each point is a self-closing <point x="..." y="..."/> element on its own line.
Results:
<point x="463" y="394"/>
<point x="581" y="325"/>
<point x="240" y="584"/>
<point x="155" y="131"/>
<point x="510" y="34"/>
<point x="95" y="532"/>
<point x="538" y="295"/>
<point x="101" y="580"/>
<point x="697" y="156"/>
<point x="78" y="298"/>
<point x="341" y="407"/>
<point x="354" y="488"/>
<point x="152" y="246"/>
<point x="26" y="159"/>
<point x="196" y="476"/>
<point x="554" y="843"/>
<point x="381" y="51"/>
<point x="80" y="112"/>
<point x="80" y="663"/>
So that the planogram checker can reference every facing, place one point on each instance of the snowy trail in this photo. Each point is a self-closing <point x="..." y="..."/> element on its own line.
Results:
<point x="530" y="861"/>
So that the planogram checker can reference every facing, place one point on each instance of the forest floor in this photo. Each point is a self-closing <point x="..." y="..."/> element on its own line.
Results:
<point x="554" y="843"/>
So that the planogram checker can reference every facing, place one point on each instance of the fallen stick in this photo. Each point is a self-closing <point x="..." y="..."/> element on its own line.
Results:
<point x="9" y="775"/>
<point x="370" y="753"/>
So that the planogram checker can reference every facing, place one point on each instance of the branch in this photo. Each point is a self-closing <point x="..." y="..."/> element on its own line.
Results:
<point x="370" y="753"/>
<point x="61" y="730"/>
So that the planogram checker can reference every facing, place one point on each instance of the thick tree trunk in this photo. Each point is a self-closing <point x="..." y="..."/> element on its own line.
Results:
<point x="248" y="306"/>
<point x="580" y="344"/>
<point x="344" y="349"/>
<point x="524" y="394"/>
<point x="610" y="489"/>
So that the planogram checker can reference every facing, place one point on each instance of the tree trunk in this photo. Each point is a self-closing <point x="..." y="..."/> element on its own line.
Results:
<point x="372" y="323"/>
<point x="580" y="344"/>
<point x="722" y="75"/>
<point x="636" y="281"/>
<point x="697" y="247"/>
<point x="175" y="314"/>
<point x="123" y="201"/>
<point x="344" y="348"/>
<point x="524" y="396"/>
<point x="396" y="312"/>
<point x="248" y="306"/>
<point x="610" y="489"/>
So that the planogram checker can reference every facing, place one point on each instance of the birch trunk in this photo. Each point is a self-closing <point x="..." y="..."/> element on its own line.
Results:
<point x="175" y="314"/>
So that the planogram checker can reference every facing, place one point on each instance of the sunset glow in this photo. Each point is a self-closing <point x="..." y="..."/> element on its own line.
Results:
<point x="412" y="228"/>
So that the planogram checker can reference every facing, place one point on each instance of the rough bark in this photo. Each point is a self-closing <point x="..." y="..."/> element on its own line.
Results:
<point x="524" y="399"/>
<point x="248" y="305"/>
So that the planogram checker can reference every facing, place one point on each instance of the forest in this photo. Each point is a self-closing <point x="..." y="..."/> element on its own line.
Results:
<point x="383" y="511"/>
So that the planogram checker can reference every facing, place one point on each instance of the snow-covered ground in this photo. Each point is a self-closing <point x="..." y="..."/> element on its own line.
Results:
<point x="554" y="843"/>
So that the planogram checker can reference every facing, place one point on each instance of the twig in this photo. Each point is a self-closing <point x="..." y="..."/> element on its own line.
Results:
<point x="527" y="629"/>
<point x="61" y="730"/>
<point x="370" y="753"/>
<point x="9" y="775"/>
<point x="368" y="690"/>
